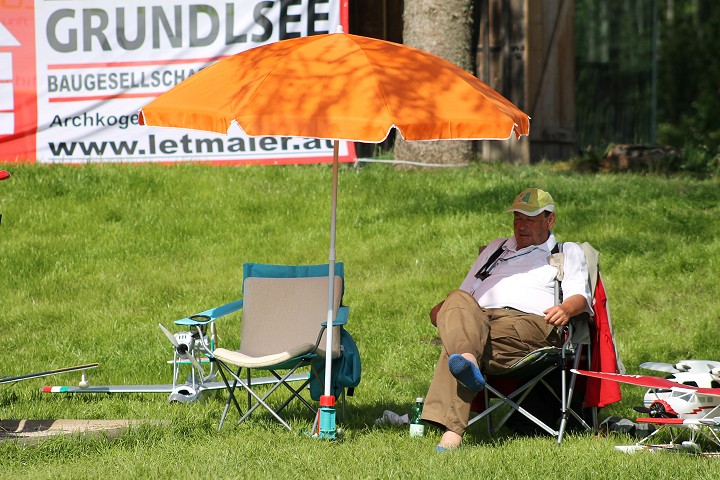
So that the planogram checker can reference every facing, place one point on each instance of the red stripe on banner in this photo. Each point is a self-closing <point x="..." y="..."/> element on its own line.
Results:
<point x="180" y="61"/>
<point x="103" y="97"/>
<point x="18" y="119"/>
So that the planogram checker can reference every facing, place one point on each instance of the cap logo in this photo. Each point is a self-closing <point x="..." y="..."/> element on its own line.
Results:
<point x="526" y="197"/>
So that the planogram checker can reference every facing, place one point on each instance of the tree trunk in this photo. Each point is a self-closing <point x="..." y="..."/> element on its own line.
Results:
<point x="444" y="28"/>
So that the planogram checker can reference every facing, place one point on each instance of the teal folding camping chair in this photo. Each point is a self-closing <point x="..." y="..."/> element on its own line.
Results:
<point x="283" y="329"/>
<point x="545" y="373"/>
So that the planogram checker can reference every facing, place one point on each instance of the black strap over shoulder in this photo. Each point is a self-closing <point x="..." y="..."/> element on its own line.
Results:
<point x="484" y="271"/>
<point x="558" y="284"/>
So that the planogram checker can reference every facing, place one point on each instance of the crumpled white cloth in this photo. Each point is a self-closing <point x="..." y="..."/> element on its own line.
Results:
<point x="392" y="418"/>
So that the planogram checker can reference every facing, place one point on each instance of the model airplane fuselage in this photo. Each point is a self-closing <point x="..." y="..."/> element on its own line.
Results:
<point x="703" y="374"/>
<point x="680" y="404"/>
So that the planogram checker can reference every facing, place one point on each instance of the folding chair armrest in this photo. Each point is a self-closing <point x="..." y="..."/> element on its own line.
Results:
<point x="210" y="315"/>
<point x="579" y="329"/>
<point x="341" y="318"/>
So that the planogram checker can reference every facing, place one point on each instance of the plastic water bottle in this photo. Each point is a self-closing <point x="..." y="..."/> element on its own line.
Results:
<point x="417" y="426"/>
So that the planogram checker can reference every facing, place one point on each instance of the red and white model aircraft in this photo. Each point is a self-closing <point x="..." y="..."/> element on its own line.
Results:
<point x="686" y="404"/>
<point x="666" y="403"/>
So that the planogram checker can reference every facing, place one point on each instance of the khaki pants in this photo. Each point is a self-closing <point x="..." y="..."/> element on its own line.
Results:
<point x="498" y="337"/>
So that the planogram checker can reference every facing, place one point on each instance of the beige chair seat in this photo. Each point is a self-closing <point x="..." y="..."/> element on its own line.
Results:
<point x="238" y="359"/>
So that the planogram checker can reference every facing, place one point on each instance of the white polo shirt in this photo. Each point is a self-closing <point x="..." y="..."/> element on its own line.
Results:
<point x="523" y="280"/>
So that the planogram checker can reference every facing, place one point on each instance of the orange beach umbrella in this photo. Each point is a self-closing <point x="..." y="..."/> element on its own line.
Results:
<point x="342" y="87"/>
<point x="338" y="86"/>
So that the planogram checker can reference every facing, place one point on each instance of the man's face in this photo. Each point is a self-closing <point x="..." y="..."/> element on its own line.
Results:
<point x="532" y="230"/>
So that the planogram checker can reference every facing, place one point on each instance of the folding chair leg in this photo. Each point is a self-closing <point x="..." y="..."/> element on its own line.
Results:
<point x="595" y="419"/>
<point x="261" y="401"/>
<point x="520" y="409"/>
<point x="249" y="382"/>
<point x="566" y="398"/>
<point x="342" y="403"/>
<point x="272" y="412"/>
<point x="231" y="397"/>
<point x="492" y="407"/>
<point x="567" y="395"/>
<point x="507" y="400"/>
<point x="507" y="416"/>
<point x="281" y="379"/>
<point x="295" y="394"/>
<point x="594" y="409"/>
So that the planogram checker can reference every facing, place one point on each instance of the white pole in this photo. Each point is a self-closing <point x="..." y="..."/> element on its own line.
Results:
<point x="331" y="274"/>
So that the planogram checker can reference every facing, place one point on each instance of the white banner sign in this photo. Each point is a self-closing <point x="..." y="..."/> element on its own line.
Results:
<point x="73" y="75"/>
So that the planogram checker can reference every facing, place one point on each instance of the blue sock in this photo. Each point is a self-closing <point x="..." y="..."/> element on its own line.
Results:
<point x="441" y="449"/>
<point x="466" y="372"/>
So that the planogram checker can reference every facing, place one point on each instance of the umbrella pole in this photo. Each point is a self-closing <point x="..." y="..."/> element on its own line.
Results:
<point x="327" y="400"/>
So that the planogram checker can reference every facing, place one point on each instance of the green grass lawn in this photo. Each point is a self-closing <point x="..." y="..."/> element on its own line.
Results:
<point x="94" y="257"/>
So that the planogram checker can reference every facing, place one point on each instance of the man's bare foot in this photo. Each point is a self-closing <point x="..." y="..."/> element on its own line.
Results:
<point x="450" y="440"/>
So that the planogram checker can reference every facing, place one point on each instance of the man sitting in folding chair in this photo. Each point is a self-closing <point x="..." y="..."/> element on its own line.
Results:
<point x="505" y="308"/>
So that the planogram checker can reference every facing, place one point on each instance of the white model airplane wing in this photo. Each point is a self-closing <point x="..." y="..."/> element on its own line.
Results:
<point x="693" y="366"/>
<point x="110" y="389"/>
<point x="699" y="366"/>
<point x="650" y="382"/>
<point x="28" y="376"/>
<point x="660" y="367"/>
<point x="167" y="388"/>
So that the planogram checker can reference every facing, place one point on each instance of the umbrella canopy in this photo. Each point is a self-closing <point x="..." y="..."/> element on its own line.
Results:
<point x="341" y="87"/>
<point x="338" y="86"/>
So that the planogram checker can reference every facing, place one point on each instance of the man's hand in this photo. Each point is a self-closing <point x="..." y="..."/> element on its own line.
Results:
<point x="556" y="315"/>
<point x="559" y="315"/>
